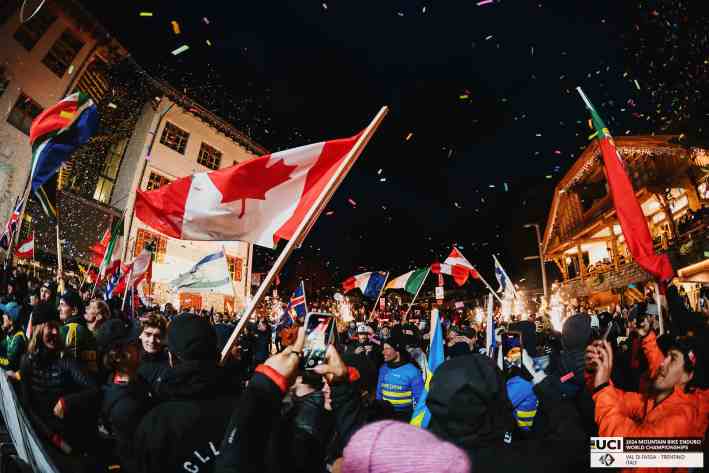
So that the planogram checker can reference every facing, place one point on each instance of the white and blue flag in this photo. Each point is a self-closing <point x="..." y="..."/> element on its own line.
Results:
<point x="210" y="274"/>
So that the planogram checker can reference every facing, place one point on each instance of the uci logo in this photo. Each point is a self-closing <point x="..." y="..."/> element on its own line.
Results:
<point x="607" y="444"/>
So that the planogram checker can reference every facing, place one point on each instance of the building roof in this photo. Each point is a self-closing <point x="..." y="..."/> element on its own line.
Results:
<point x="91" y="24"/>
<point x="588" y="164"/>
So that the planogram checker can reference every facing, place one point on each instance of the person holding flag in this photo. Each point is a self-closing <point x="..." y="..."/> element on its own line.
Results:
<point x="422" y="416"/>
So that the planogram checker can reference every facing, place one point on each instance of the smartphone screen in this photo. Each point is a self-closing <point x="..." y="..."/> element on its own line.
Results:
<point x="318" y="335"/>
<point x="512" y="349"/>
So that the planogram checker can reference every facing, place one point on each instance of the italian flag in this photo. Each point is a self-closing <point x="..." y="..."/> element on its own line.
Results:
<point x="112" y="256"/>
<point x="630" y="215"/>
<point x="411" y="282"/>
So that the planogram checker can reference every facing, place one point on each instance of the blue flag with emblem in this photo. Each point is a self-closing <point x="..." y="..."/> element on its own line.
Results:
<point x="422" y="416"/>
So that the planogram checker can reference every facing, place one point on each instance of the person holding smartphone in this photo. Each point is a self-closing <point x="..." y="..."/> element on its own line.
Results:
<point x="400" y="381"/>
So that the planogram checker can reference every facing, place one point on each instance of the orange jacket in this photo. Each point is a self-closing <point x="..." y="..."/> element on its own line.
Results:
<point x="654" y="360"/>
<point x="629" y="414"/>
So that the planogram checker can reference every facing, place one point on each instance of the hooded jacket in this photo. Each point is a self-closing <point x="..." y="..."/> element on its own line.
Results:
<point x="470" y="408"/>
<point x="183" y="432"/>
<point x="80" y="343"/>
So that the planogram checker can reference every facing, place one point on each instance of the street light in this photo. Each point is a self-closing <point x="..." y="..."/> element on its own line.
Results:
<point x="541" y="257"/>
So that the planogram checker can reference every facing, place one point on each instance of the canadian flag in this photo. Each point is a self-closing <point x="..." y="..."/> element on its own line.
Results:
<point x="260" y="201"/>
<point x="456" y="265"/>
<point x="26" y="248"/>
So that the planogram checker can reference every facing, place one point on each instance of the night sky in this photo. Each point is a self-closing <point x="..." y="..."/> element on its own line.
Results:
<point x="484" y="94"/>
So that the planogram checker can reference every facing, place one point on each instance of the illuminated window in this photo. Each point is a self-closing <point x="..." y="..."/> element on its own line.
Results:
<point x="155" y="181"/>
<point x="63" y="53"/>
<point x="174" y="137"/>
<point x="159" y="243"/>
<point x="22" y="114"/>
<point x="209" y="157"/>
<point x="31" y="31"/>
<point x="235" y="267"/>
<point x="109" y="171"/>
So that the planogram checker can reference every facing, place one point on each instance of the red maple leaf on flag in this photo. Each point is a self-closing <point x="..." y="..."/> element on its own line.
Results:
<point x="250" y="180"/>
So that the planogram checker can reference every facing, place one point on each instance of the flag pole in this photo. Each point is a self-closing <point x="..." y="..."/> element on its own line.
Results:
<point x="231" y="280"/>
<point x="125" y="291"/>
<point x="34" y="247"/>
<point x="60" y="266"/>
<point x="313" y="213"/>
<point x="416" y="295"/>
<point x="488" y="286"/>
<point x="137" y="181"/>
<point x="371" y="314"/>
<point x="659" y="307"/>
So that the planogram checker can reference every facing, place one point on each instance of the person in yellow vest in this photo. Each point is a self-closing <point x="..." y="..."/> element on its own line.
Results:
<point x="79" y="342"/>
<point x="14" y="342"/>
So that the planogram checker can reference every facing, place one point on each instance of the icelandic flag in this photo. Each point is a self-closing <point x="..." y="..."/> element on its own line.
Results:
<point x="422" y="416"/>
<point x="369" y="283"/>
<point x="297" y="304"/>
<point x="11" y="225"/>
<point x="210" y="274"/>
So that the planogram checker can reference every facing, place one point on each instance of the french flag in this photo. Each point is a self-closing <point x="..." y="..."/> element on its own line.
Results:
<point x="261" y="200"/>
<point x="369" y="283"/>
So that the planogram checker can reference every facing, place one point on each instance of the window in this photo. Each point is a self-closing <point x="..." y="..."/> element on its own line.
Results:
<point x="174" y="137"/>
<point x="109" y="171"/>
<point x="156" y="181"/>
<point x="22" y="114"/>
<point x="30" y="32"/>
<point x="63" y="53"/>
<point x="209" y="157"/>
<point x="235" y="267"/>
<point x="159" y="242"/>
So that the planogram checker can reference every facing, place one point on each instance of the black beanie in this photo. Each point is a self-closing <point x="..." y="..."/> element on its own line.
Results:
<point x="576" y="332"/>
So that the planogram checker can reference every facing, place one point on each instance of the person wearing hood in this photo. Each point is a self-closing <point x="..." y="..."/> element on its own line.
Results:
<point x="183" y="432"/>
<point x="470" y="408"/>
<point x="400" y="381"/>
<point x="14" y="342"/>
<point x="126" y="395"/>
<point x="79" y="342"/>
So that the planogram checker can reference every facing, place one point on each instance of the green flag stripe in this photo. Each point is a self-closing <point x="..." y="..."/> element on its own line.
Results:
<point x="415" y="281"/>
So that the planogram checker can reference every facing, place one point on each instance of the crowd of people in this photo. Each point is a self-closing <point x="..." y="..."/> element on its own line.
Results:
<point x="149" y="393"/>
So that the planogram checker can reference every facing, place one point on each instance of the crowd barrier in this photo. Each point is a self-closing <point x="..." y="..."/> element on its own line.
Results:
<point x="27" y="444"/>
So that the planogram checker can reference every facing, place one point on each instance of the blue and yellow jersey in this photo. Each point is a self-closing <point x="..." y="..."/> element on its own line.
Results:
<point x="401" y="386"/>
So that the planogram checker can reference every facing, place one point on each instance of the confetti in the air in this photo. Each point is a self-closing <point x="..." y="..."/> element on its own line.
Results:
<point x="180" y="50"/>
<point x="175" y="27"/>
<point x="146" y="13"/>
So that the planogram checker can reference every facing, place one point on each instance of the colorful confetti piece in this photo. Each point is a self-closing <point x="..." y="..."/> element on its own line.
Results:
<point x="180" y="50"/>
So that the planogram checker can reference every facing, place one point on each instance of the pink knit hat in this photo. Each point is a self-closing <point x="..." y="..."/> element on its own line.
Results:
<point x="395" y="447"/>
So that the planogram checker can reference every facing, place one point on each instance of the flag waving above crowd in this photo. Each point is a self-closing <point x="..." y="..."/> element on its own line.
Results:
<point x="370" y="283"/>
<point x="260" y="201"/>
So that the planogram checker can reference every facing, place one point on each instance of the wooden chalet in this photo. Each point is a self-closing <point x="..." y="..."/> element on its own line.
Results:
<point x="583" y="237"/>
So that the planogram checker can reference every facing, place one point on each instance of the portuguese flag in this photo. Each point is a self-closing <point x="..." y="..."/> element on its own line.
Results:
<point x="630" y="215"/>
<point x="410" y="282"/>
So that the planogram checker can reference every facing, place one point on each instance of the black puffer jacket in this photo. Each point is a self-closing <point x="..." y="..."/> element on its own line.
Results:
<point x="183" y="432"/>
<point x="299" y="443"/>
<point x="46" y="379"/>
<point x="123" y="406"/>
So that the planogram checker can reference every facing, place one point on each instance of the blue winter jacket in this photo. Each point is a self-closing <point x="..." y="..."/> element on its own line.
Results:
<point x="400" y="384"/>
